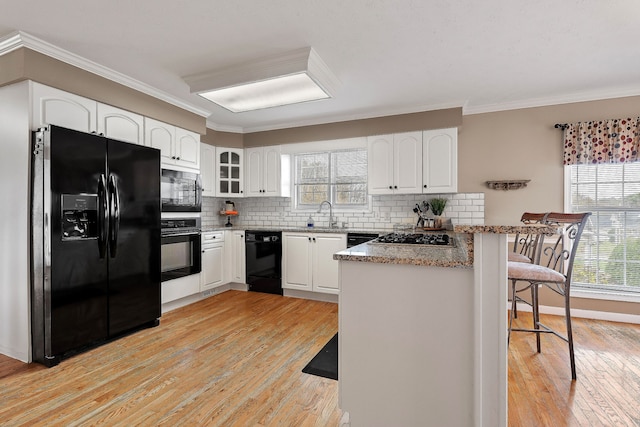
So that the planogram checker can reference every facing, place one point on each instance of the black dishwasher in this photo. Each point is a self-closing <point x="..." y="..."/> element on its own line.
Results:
<point x="264" y="261"/>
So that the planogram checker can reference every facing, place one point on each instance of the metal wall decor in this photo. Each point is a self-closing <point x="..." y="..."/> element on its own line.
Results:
<point x="509" y="184"/>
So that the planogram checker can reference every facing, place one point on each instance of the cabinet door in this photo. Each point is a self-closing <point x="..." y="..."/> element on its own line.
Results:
<point x="253" y="171"/>
<point x="60" y="108"/>
<point x="120" y="124"/>
<point x="212" y="267"/>
<point x="208" y="169"/>
<point x="271" y="184"/>
<point x="187" y="149"/>
<point x="440" y="161"/>
<point x="380" y="164"/>
<point x="239" y="272"/>
<point x="407" y="167"/>
<point x="161" y="136"/>
<point x="296" y="261"/>
<point x="229" y="178"/>
<point x="325" y="268"/>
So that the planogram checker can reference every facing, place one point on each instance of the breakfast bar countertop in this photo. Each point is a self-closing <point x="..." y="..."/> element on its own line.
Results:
<point x="459" y="255"/>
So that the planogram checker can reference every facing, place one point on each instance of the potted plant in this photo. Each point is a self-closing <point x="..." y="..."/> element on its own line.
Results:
<point x="437" y="207"/>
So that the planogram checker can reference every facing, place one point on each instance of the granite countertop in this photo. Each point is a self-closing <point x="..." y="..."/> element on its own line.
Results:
<point x="507" y="229"/>
<point x="459" y="255"/>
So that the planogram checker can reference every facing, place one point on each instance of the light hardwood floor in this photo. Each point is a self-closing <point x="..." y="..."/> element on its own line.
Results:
<point x="606" y="391"/>
<point x="235" y="359"/>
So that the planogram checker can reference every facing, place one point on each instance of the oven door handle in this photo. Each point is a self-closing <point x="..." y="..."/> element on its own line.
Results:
<point x="180" y="234"/>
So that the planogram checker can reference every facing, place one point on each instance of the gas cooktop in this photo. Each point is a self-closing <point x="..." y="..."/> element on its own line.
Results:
<point x="415" y="239"/>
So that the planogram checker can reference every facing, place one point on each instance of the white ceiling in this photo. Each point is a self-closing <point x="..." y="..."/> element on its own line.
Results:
<point x="391" y="56"/>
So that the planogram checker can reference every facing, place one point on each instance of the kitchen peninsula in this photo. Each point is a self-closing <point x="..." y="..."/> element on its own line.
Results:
<point x="423" y="330"/>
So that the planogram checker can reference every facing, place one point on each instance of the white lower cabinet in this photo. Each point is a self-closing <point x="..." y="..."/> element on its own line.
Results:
<point x="238" y="262"/>
<point x="308" y="263"/>
<point x="213" y="260"/>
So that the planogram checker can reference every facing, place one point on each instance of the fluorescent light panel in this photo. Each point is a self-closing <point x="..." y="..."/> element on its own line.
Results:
<point x="288" y="78"/>
<point x="275" y="92"/>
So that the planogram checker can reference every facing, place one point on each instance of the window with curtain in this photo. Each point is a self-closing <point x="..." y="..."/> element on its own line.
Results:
<point x="603" y="177"/>
<point x="337" y="176"/>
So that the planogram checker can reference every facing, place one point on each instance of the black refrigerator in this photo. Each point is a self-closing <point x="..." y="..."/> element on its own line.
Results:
<point x="95" y="241"/>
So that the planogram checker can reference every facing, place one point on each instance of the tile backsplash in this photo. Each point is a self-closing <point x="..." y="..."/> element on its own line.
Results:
<point x="462" y="208"/>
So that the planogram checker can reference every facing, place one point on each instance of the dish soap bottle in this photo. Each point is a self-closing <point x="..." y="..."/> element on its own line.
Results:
<point x="310" y="222"/>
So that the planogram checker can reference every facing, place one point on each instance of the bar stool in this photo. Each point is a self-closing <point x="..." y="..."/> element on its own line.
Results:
<point x="554" y="273"/>
<point x="525" y="249"/>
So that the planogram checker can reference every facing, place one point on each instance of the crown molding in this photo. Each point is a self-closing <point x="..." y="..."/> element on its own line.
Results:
<point x="19" y="39"/>
<point x="587" y="96"/>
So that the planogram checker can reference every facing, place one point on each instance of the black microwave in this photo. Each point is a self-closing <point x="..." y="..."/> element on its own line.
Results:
<point x="180" y="191"/>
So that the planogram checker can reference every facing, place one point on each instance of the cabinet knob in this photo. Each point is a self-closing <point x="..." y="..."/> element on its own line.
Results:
<point x="309" y="238"/>
<point x="390" y="187"/>
<point x="314" y="239"/>
<point x="395" y="187"/>
<point x="173" y="157"/>
<point x="425" y="186"/>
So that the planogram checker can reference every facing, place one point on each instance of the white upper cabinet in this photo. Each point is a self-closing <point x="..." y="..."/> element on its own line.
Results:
<point x="229" y="176"/>
<point x="262" y="166"/>
<point x="440" y="161"/>
<point x="395" y="163"/>
<point x="120" y="124"/>
<point x="161" y="136"/>
<point x="208" y="169"/>
<point x="60" y="108"/>
<point x="178" y="147"/>
<point x="187" y="149"/>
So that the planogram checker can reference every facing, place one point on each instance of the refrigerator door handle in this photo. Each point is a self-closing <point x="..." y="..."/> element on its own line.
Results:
<point x="114" y="210"/>
<point x="103" y="213"/>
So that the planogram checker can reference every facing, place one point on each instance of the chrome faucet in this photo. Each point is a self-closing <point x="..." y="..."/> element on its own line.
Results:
<point x="332" y="223"/>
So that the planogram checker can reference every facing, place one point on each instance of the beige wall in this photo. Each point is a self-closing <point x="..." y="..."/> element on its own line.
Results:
<point x="523" y="144"/>
<point x="222" y="139"/>
<point x="437" y="119"/>
<point x="26" y="64"/>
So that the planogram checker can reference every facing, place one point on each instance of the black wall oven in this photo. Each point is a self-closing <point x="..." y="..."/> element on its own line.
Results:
<point x="180" y="248"/>
<point x="180" y="191"/>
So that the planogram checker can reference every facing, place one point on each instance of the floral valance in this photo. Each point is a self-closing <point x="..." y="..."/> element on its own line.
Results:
<point x="605" y="141"/>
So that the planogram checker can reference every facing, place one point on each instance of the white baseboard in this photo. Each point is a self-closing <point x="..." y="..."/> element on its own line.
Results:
<point x="172" y="305"/>
<point x="585" y="314"/>
<point x="315" y="296"/>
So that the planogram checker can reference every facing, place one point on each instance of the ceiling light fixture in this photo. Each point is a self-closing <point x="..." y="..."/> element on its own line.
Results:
<point x="290" y="78"/>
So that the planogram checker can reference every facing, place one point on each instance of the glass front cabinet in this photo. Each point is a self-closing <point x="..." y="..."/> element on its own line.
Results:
<point x="229" y="176"/>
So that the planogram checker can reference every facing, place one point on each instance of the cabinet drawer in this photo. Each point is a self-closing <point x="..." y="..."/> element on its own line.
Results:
<point x="212" y="237"/>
